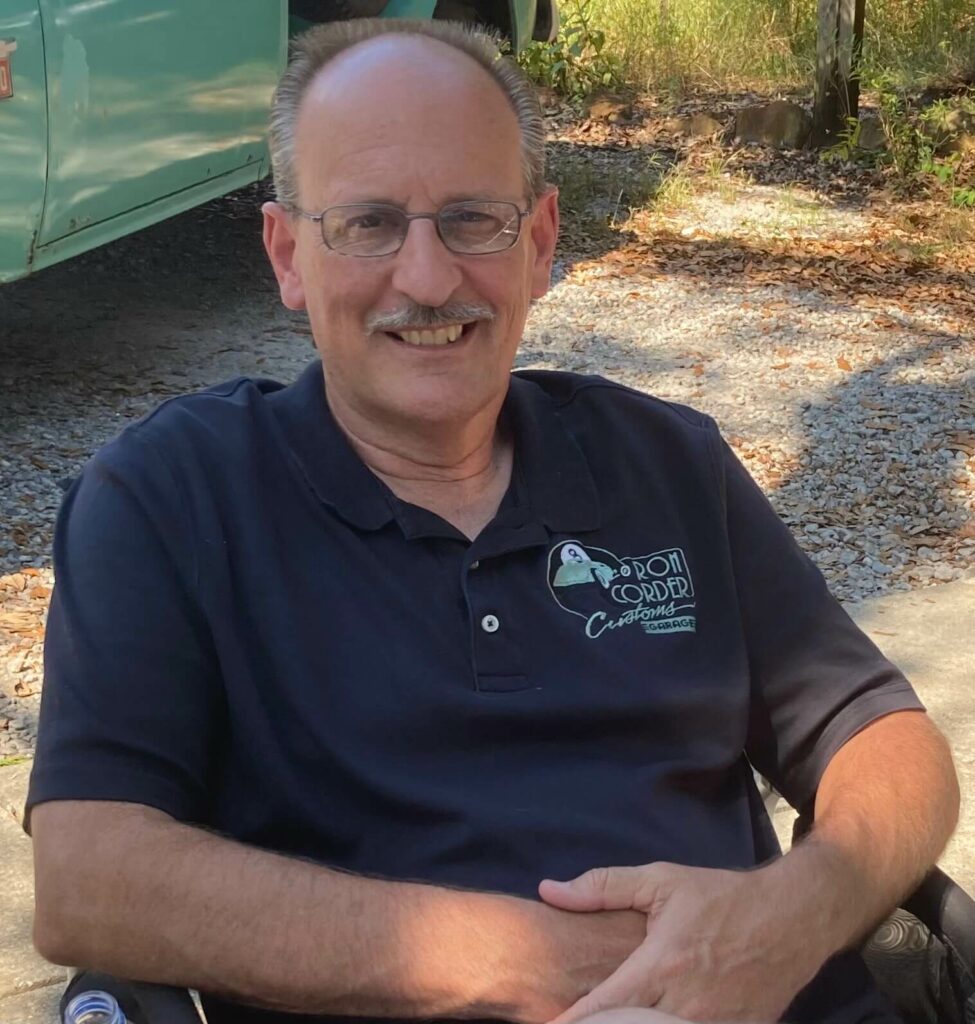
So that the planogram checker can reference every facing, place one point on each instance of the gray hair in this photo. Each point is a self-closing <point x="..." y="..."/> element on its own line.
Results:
<point x="314" y="49"/>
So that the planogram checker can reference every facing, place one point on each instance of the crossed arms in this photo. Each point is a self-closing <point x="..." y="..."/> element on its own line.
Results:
<point x="128" y="890"/>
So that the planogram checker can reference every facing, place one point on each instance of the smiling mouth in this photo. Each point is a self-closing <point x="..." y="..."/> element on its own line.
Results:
<point x="430" y="337"/>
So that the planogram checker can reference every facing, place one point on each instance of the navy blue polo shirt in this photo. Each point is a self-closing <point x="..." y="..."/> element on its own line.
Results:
<point x="251" y="632"/>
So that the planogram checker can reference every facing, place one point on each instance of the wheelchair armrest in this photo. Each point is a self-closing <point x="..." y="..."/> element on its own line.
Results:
<point x="141" y="1002"/>
<point x="948" y="912"/>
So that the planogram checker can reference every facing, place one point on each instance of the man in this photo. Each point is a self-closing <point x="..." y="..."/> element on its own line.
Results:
<point x="324" y="706"/>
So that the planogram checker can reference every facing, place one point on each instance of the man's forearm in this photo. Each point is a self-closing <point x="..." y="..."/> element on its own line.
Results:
<point x="155" y="900"/>
<point x="886" y="806"/>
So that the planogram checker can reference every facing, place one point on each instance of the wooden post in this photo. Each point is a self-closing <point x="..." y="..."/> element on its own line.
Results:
<point x="838" y="51"/>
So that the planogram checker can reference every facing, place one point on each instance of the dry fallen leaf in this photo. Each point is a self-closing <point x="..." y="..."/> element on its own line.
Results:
<point x="17" y="621"/>
<point x="843" y="363"/>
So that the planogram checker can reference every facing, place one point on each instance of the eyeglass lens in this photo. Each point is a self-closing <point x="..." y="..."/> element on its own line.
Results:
<point x="373" y="229"/>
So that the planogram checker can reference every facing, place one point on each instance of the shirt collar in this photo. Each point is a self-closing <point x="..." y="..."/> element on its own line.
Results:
<point x="555" y="472"/>
<point x="328" y="462"/>
<point x="559" y="485"/>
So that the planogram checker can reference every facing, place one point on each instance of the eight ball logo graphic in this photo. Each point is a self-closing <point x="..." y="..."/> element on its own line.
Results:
<point x="653" y="593"/>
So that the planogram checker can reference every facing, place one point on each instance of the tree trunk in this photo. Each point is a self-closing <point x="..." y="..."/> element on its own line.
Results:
<point x="838" y="51"/>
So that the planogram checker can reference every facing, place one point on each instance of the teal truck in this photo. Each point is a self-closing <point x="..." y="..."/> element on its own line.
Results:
<point x="115" y="114"/>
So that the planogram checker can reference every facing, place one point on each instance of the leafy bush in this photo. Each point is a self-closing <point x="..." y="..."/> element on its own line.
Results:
<point x="915" y="145"/>
<point x="577" y="61"/>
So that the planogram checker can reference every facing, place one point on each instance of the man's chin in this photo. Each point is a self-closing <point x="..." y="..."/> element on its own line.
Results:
<point x="445" y="401"/>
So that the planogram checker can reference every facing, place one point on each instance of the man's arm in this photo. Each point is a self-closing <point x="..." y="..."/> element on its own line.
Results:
<point x="885" y="808"/>
<point x="739" y="945"/>
<point x="128" y="890"/>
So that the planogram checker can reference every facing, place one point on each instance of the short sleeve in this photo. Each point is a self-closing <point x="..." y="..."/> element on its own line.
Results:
<point x="132" y="695"/>
<point x="816" y="678"/>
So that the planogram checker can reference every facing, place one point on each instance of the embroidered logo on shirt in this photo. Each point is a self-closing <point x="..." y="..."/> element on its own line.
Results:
<point x="653" y="591"/>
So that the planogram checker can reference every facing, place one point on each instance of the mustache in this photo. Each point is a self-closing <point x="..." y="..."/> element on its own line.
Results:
<point x="417" y="316"/>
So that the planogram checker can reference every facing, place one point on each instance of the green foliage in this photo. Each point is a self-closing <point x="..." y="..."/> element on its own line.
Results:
<point x="676" y="44"/>
<point x="918" y="151"/>
<point x="910" y="150"/>
<point x="914" y="141"/>
<point x="847" y="147"/>
<point x="578" y="60"/>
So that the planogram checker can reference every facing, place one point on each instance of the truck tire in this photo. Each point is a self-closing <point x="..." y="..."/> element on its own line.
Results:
<point x="546" y="21"/>
<point x="457" y="10"/>
<point x="319" y="11"/>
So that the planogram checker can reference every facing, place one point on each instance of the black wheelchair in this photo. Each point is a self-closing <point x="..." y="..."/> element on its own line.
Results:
<point x="923" y="958"/>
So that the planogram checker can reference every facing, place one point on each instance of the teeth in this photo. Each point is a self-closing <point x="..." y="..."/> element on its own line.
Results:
<point x="438" y="336"/>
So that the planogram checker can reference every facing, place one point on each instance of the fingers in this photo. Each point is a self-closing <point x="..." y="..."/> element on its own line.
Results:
<point x="621" y="888"/>
<point x="629" y="986"/>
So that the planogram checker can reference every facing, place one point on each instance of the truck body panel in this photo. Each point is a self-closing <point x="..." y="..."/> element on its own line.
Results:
<point x="150" y="98"/>
<point x="23" y="135"/>
<point x="115" y="114"/>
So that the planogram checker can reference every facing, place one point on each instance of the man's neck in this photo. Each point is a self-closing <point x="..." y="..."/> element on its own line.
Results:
<point x="460" y="472"/>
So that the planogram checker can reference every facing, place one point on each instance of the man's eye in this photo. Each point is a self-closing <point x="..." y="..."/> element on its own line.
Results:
<point x="470" y="217"/>
<point x="367" y="222"/>
<point x="476" y="223"/>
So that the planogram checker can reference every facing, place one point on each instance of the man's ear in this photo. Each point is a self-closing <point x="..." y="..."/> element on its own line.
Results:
<point x="281" y="244"/>
<point x="544" y="235"/>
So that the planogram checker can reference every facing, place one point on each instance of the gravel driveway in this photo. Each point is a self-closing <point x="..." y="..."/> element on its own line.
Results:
<point x="858" y="418"/>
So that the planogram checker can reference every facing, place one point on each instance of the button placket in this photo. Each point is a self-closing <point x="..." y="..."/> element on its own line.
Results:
<point x="496" y="645"/>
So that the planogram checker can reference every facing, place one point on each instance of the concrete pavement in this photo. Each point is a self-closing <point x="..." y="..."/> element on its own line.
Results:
<point x="29" y="986"/>
<point x="928" y="633"/>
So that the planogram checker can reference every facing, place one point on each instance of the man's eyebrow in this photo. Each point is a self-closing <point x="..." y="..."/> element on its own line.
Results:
<point x="483" y="195"/>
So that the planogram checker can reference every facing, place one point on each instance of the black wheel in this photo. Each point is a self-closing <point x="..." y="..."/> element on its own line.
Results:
<point x="457" y="10"/>
<point x="335" y="10"/>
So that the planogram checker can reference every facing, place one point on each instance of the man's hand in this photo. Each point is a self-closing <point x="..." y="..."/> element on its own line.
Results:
<point x="720" y="945"/>
<point x="739" y="945"/>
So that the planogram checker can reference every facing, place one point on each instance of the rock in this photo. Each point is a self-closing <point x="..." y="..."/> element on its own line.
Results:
<point x="872" y="137"/>
<point x="697" y="126"/>
<point x="609" y="108"/>
<point x="780" y="124"/>
<point x="952" y="130"/>
<point x="963" y="143"/>
<point x="548" y="99"/>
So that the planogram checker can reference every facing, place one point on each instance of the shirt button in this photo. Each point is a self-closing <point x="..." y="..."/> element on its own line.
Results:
<point x="475" y="563"/>
<point x="490" y="624"/>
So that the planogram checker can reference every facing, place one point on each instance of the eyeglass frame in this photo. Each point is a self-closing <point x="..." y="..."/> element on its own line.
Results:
<point x="435" y="217"/>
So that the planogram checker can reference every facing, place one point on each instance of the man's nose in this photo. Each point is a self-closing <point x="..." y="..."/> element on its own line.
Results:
<point x="426" y="270"/>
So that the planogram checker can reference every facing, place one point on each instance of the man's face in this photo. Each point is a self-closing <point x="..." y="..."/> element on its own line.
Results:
<point x="410" y="122"/>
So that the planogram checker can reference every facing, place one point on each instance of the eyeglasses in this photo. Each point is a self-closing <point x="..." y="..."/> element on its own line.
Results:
<point x="470" y="228"/>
